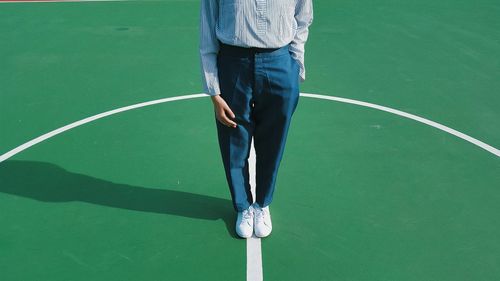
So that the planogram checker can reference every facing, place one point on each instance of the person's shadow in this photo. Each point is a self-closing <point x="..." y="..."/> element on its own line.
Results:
<point x="50" y="183"/>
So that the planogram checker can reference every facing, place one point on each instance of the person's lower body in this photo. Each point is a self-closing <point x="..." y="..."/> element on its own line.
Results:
<point x="262" y="89"/>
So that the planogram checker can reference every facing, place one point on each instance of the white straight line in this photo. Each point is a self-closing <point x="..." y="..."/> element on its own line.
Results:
<point x="254" y="251"/>
<point x="251" y="168"/>
<point x="431" y="123"/>
<point x="254" y="259"/>
<point x="58" y="1"/>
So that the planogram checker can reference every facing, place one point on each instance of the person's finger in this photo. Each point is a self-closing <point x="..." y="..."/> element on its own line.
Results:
<point x="228" y="109"/>
<point x="224" y="119"/>
<point x="228" y="121"/>
<point x="228" y="113"/>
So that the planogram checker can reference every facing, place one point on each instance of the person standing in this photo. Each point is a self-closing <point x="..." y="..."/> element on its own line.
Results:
<point x="252" y="62"/>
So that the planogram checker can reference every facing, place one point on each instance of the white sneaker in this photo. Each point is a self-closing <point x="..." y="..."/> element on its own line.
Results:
<point x="262" y="224"/>
<point x="244" y="223"/>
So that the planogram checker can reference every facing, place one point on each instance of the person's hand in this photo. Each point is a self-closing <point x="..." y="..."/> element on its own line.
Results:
<point x="222" y="111"/>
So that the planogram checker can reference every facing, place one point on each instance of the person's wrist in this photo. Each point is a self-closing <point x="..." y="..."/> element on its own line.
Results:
<point x="215" y="97"/>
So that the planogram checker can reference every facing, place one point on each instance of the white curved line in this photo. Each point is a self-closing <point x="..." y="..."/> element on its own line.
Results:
<point x="456" y="133"/>
<point x="441" y="127"/>
<point x="90" y="119"/>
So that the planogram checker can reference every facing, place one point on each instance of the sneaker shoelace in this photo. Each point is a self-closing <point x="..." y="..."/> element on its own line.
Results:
<point x="247" y="214"/>
<point x="260" y="213"/>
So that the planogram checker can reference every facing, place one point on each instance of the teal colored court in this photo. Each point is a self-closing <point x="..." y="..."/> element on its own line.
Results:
<point x="362" y="193"/>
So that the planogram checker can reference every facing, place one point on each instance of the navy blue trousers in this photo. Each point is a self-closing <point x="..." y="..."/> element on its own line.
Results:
<point x="261" y="86"/>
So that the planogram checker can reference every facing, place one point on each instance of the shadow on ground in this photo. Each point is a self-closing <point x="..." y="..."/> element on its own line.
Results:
<point x="51" y="183"/>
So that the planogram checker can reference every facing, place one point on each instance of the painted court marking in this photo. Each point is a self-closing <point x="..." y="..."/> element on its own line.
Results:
<point x="439" y="126"/>
<point x="431" y="123"/>
<point x="254" y="252"/>
<point x="55" y="1"/>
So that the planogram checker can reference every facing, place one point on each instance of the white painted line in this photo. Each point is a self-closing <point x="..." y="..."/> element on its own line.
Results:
<point x="254" y="254"/>
<point x="251" y="168"/>
<point x="254" y="251"/>
<point x="254" y="259"/>
<point x="90" y="119"/>
<point x="449" y="130"/>
<point x="59" y="1"/>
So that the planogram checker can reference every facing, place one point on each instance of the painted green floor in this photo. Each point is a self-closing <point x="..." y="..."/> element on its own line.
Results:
<point x="361" y="194"/>
<point x="403" y="202"/>
<point x="121" y="199"/>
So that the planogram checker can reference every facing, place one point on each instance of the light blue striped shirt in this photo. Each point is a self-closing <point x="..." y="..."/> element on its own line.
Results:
<point x="251" y="23"/>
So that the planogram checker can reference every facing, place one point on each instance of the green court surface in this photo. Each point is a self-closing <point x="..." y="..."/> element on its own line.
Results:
<point x="362" y="194"/>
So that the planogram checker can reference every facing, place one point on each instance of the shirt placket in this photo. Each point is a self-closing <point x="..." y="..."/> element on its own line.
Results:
<point x="261" y="16"/>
